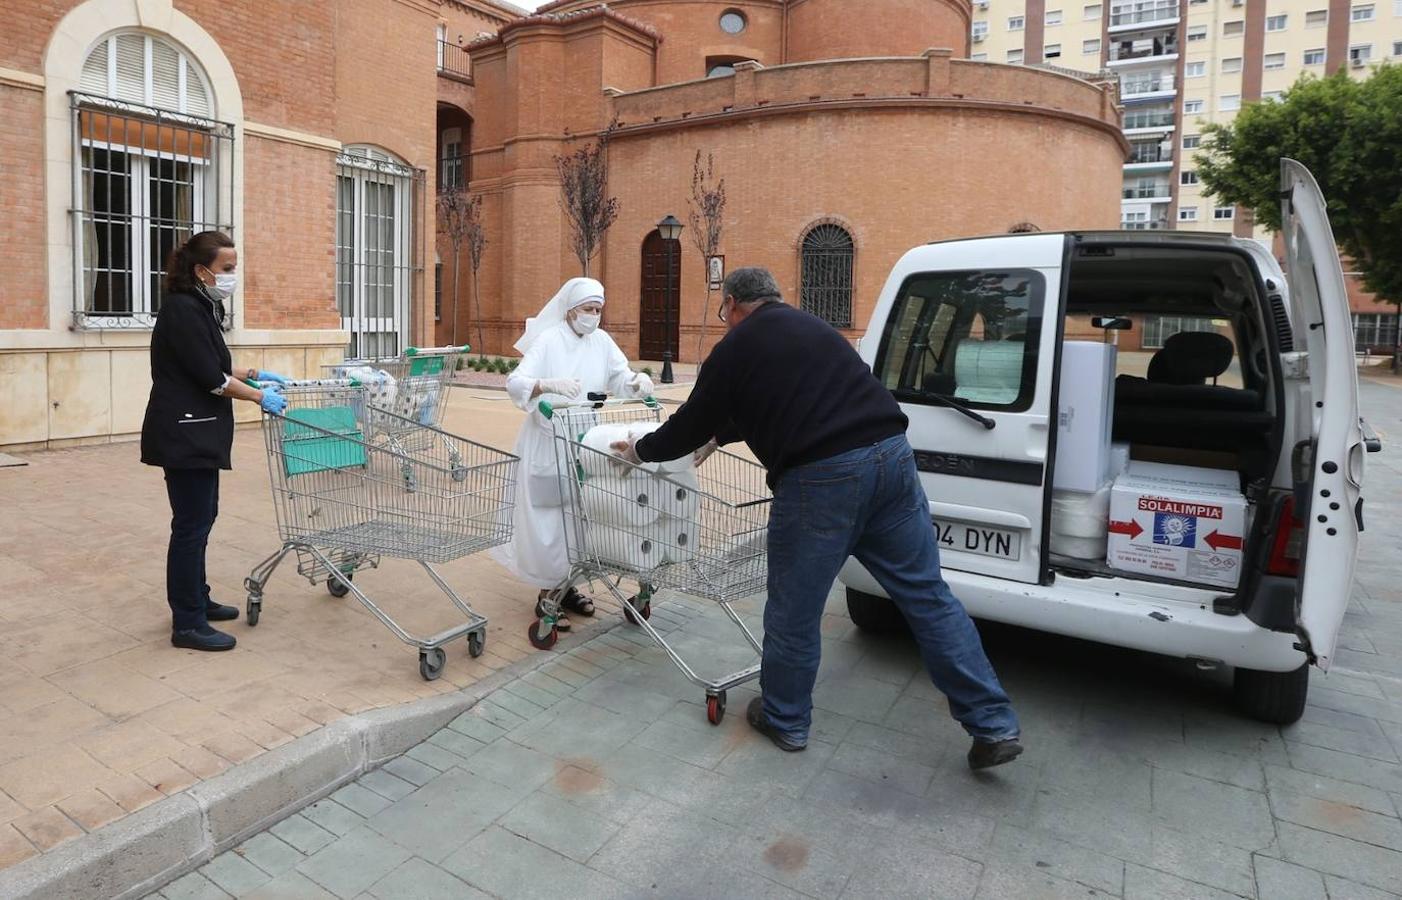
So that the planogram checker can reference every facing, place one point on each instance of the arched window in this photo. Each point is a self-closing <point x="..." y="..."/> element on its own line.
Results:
<point x="825" y="287"/>
<point x="376" y="195"/>
<point x="152" y="168"/>
<point x="721" y="66"/>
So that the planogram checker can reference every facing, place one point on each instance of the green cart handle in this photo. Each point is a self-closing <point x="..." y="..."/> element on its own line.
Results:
<point x="547" y="409"/>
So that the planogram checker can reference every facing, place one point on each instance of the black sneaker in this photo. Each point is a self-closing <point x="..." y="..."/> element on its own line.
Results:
<point x="987" y="754"/>
<point x="220" y="612"/>
<point x="205" y="638"/>
<point x="755" y="716"/>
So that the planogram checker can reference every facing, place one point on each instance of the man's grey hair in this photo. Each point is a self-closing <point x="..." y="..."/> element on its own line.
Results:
<point x="750" y="284"/>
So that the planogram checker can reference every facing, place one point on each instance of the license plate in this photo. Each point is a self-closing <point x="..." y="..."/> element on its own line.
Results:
<point x="967" y="537"/>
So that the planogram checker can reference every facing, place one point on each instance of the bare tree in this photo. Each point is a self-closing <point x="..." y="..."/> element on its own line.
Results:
<point x="476" y="245"/>
<point x="455" y="213"/>
<point x="584" y="196"/>
<point x="706" y="212"/>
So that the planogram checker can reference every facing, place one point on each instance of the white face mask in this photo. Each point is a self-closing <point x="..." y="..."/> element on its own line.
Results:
<point x="225" y="283"/>
<point x="586" y="323"/>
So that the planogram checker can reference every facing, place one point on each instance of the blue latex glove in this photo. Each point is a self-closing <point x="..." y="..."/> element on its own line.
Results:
<point x="274" y="377"/>
<point x="273" y="402"/>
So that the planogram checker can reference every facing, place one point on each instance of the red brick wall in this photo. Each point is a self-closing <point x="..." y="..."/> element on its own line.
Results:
<point x="24" y="301"/>
<point x="828" y="29"/>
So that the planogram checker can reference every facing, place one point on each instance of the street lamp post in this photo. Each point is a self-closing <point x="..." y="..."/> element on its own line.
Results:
<point x="670" y="230"/>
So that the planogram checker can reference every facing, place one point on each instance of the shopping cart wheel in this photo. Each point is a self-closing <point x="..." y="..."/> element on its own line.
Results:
<point x="632" y="610"/>
<point x="715" y="707"/>
<point x="431" y="663"/>
<point x="336" y="587"/>
<point x="542" y="641"/>
<point x="255" y="606"/>
<point x="476" y="643"/>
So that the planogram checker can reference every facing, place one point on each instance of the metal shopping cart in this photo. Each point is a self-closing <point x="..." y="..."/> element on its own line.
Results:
<point x="403" y="392"/>
<point x="342" y="502"/>
<point x="697" y="531"/>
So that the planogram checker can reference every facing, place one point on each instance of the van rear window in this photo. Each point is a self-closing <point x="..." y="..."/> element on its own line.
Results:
<point x="972" y="336"/>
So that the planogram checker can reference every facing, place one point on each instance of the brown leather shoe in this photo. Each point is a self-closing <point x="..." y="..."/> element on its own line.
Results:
<point x="987" y="754"/>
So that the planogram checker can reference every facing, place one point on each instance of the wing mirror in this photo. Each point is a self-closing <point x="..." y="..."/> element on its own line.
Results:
<point x="1113" y="323"/>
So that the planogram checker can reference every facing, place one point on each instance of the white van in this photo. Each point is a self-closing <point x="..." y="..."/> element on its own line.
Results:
<point x="1284" y="418"/>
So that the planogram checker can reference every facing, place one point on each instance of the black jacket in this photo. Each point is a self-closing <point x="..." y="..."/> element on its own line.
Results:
<point x="186" y="426"/>
<point x="787" y="384"/>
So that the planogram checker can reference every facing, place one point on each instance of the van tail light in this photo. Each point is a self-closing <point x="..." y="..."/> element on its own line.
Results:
<point x="1289" y="539"/>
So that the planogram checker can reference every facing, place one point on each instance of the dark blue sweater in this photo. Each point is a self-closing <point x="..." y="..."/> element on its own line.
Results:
<point x="786" y="383"/>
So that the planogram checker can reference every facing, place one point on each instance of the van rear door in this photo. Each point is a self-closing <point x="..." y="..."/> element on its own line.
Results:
<point x="965" y="337"/>
<point x="1331" y="477"/>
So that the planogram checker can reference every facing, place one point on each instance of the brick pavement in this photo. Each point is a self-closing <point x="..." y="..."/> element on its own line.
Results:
<point x="598" y="777"/>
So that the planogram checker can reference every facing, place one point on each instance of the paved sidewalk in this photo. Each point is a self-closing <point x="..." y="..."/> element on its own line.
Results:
<point x="598" y="777"/>
<point x="100" y="716"/>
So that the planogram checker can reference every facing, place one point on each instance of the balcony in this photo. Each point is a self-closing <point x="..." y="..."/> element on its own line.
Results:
<point x="1159" y="49"/>
<point x="1157" y="193"/>
<point x="1154" y="225"/>
<point x="1148" y="120"/>
<point x="1158" y="87"/>
<point x="454" y="62"/>
<point x="1142" y="16"/>
<point x="1149" y="158"/>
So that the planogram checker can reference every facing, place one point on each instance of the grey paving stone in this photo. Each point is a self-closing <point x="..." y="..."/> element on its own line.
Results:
<point x="577" y="729"/>
<point x="417" y="879"/>
<point x="333" y="817"/>
<point x="962" y="832"/>
<point x="544" y="683"/>
<point x="1279" y="778"/>
<point x="475" y="724"/>
<point x="623" y="696"/>
<point x="1192" y="856"/>
<point x="1346" y="767"/>
<point x="291" y="886"/>
<point x="647" y="771"/>
<point x="790" y="860"/>
<point x="1340" y="720"/>
<point x="511" y="702"/>
<point x="1338" y="818"/>
<point x="386" y="784"/>
<point x="1276" y="880"/>
<point x="411" y="770"/>
<point x="533" y="695"/>
<point x="1229" y="814"/>
<point x="553" y="822"/>
<point x="460" y="745"/>
<point x="1228" y="768"/>
<point x="234" y="874"/>
<point x="360" y="800"/>
<point x="881" y="767"/>
<point x="438" y="757"/>
<point x="919" y="717"/>
<point x="663" y="837"/>
<point x="1149" y="884"/>
<point x="353" y="863"/>
<point x="1097" y="823"/>
<point x="888" y="870"/>
<point x="756" y="761"/>
<point x="513" y="766"/>
<point x="858" y="697"/>
<point x="304" y="834"/>
<point x="1227" y="733"/>
<point x="445" y="813"/>
<point x="509" y="866"/>
<point x="1091" y="768"/>
<point x="193" y="886"/>
<point x="697" y="743"/>
<point x="1372" y="866"/>
<point x="270" y="854"/>
<point x="1009" y="791"/>
<point x="1373" y="746"/>
<point x="1036" y="851"/>
<point x="1343" y="889"/>
<point x="1000" y="883"/>
<point x="597" y="795"/>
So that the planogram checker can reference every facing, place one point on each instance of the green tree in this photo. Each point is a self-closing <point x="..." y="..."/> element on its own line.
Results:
<point x="1349" y="134"/>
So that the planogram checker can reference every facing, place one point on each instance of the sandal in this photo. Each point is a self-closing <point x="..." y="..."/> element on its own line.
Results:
<point x="577" y="603"/>
<point x="562" y="624"/>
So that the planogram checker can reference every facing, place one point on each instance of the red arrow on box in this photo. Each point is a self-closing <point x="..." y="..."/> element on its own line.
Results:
<point x="1222" y="541"/>
<point x="1131" y="528"/>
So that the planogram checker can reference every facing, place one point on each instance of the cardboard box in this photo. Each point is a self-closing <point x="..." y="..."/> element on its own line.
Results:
<point x="1178" y="522"/>
<point x="1084" y="413"/>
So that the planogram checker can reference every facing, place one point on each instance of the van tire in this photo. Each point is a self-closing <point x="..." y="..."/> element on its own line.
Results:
<point x="874" y="614"/>
<point x="1275" y="697"/>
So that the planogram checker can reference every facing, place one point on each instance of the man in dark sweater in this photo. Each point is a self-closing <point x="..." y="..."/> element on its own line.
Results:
<point x="833" y="441"/>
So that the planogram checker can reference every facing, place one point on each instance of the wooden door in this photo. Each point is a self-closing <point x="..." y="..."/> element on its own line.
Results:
<point x="658" y="323"/>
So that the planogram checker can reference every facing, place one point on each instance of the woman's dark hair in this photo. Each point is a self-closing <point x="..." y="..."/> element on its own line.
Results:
<point x="199" y="250"/>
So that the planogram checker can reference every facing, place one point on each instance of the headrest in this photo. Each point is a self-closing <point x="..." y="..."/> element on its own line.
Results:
<point x="1191" y="357"/>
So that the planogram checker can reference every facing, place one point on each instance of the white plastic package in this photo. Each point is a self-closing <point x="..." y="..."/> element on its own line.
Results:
<point x="629" y="502"/>
<point x="622" y="547"/>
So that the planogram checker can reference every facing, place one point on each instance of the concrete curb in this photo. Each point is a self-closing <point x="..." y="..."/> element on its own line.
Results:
<point x="151" y="847"/>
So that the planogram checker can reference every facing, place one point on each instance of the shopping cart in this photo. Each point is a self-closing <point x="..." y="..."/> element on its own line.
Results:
<point x="342" y="502"/>
<point x="697" y="531"/>
<point x="403" y="392"/>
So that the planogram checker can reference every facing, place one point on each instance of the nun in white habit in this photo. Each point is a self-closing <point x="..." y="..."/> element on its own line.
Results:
<point x="565" y="356"/>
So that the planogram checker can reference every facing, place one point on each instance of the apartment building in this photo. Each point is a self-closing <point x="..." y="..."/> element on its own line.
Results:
<point x="1183" y="64"/>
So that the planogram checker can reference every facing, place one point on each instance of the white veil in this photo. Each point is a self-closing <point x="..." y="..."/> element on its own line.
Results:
<point x="575" y="292"/>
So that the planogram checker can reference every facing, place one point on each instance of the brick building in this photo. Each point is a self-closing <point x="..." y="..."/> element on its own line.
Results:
<point x="843" y="139"/>
<point x="306" y="129"/>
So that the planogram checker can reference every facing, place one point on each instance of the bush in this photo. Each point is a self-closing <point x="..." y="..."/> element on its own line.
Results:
<point x="502" y="367"/>
<point x="647" y="370"/>
<point x="512" y="364"/>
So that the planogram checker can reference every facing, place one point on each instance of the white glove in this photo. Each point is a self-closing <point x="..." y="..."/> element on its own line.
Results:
<point x="564" y="387"/>
<point x="705" y="452"/>
<point x="642" y="385"/>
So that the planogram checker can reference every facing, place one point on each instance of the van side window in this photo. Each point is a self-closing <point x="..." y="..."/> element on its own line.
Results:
<point x="968" y="335"/>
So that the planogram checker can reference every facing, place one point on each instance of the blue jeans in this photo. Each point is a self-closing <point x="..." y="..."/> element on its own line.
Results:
<point x="867" y="503"/>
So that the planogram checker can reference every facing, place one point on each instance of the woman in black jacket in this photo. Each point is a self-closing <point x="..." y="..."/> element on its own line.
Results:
<point x="189" y="425"/>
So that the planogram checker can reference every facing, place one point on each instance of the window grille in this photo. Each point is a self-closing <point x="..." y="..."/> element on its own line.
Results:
<point x="826" y="286"/>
